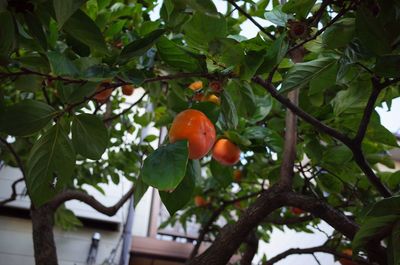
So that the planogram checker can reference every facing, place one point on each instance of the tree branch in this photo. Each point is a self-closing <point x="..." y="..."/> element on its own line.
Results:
<point x="13" y="194"/>
<point x="232" y="2"/>
<point x="288" y="221"/>
<point x="15" y="155"/>
<point x="251" y="248"/>
<point x="311" y="251"/>
<point x="301" y="113"/>
<point x="125" y="110"/>
<point x="89" y="200"/>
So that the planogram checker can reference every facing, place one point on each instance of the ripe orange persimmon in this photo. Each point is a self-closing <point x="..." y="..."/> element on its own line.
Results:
<point x="344" y="261"/>
<point x="226" y="152"/>
<point x="194" y="126"/>
<point x="127" y="90"/>
<point x="198" y="97"/>
<point x="199" y="201"/>
<point x="216" y="86"/>
<point x="105" y="94"/>
<point x="212" y="98"/>
<point x="196" y="85"/>
<point x="296" y="211"/>
<point x="237" y="175"/>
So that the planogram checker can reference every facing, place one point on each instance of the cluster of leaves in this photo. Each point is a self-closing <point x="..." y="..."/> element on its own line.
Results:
<point x="55" y="54"/>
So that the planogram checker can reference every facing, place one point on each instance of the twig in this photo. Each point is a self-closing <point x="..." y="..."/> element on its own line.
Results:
<point x="89" y="200"/>
<point x="125" y="110"/>
<point x="14" y="192"/>
<point x="15" y="155"/>
<point x="232" y="2"/>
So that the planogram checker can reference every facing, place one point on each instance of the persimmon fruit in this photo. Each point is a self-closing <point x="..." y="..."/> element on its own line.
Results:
<point x="216" y="86"/>
<point x="297" y="211"/>
<point x="194" y="126"/>
<point x="344" y="261"/>
<point x="104" y="95"/>
<point x="199" y="201"/>
<point x="237" y="175"/>
<point x="197" y="85"/>
<point x="226" y="152"/>
<point x="212" y="98"/>
<point x="127" y="90"/>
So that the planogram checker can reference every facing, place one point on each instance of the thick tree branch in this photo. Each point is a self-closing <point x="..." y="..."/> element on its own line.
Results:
<point x="232" y="2"/>
<point x="251" y="248"/>
<point x="216" y="213"/>
<point x="288" y="221"/>
<point x="89" y="200"/>
<point x="13" y="192"/>
<point x="311" y="251"/>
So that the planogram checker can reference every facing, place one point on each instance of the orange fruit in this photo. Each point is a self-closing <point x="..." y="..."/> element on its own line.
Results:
<point x="199" y="201"/>
<point x="344" y="261"/>
<point x="127" y="90"/>
<point x="226" y="152"/>
<point x="216" y="86"/>
<point x="297" y="211"/>
<point x="212" y="98"/>
<point x="198" y="97"/>
<point x="194" y="126"/>
<point x="105" y="94"/>
<point x="237" y="175"/>
<point x="196" y="85"/>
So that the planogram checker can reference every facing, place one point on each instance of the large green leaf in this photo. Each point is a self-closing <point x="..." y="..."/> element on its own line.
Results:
<point x="371" y="32"/>
<point x="223" y="174"/>
<point x="339" y="34"/>
<point x="81" y="27"/>
<point x="61" y="65"/>
<point x="177" y="57"/>
<point x="7" y="32"/>
<point x="300" y="7"/>
<point x="277" y="17"/>
<point x="385" y="206"/>
<point x="65" y="9"/>
<point x="72" y="93"/>
<point x="395" y="239"/>
<point x="140" y="46"/>
<point x="371" y="227"/>
<point x="165" y="168"/>
<point x="52" y="156"/>
<point x="140" y="189"/>
<point x="35" y="28"/>
<point x="203" y="28"/>
<point x="320" y="83"/>
<point x="177" y="199"/>
<point x="89" y="136"/>
<point x="302" y="73"/>
<point x="388" y="66"/>
<point x="229" y="111"/>
<point x="26" y="117"/>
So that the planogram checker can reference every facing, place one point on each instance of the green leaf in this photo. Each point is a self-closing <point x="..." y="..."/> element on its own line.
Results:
<point x="275" y="54"/>
<point x="379" y="133"/>
<point x="337" y="155"/>
<point x="339" y="34"/>
<point x="81" y="27"/>
<point x="300" y="7"/>
<point x="330" y="183"/>
<point x="388" y="66"/>
<point x="61" y="65"/>
<point x="28" y="83"/>
<point x="371" y="32"/>
<point x="73" y="93"/>
<point x="277" y="17"/>
<point x="237" y="138"/>
<point x="263" y="106"/>
<point x="140" y="46"/>
<point x="395" y="238"/>
<point x="203" y="28"/>
<point x="140" y="189"/>
<point x="211" y="110"/>
<point x="7" y="32"/>
<point x="165" y="168"/>
<point x="51" y="156"/>
<point x="66" y="219"/>
<point x="370" y="228"/>
<point x="320" y="83"/>
<point x="228" y="110"/>
<point x="203" y="6"/>
<point x="35" y="28"/>
<point x="252" y="61"/>
<point x="385" y="206"/>
<point x="89" y="136"/>
<point x="26" y="117"/>
<point x="177" y="199"/>
<point x="177" y="57"/>
<point x="302" y="73"/>
<point x="223" y="174"/>
<point x="65" y="9"/>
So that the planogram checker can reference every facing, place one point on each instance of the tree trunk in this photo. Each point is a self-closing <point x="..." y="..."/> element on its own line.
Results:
<point x="43" y="237"/>
<point x="251" y="249"/>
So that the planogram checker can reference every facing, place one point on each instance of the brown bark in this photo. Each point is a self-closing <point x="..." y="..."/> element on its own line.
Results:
<point x="251" y="249"/>
<point x="43" y="236"/>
